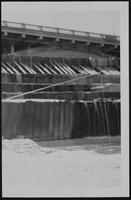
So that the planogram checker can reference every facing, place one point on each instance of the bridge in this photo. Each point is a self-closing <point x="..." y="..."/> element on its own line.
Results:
<point x="20" y="33"/>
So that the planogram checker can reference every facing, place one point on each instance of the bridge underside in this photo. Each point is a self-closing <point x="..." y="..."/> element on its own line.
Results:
<point x="18" y="36"/>
<point x="13" y="45"/>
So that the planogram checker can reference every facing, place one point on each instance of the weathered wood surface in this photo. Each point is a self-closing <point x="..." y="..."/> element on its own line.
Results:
<point x="60" y="120"/>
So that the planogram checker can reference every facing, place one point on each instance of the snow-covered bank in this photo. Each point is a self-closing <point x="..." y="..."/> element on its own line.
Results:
<point x="33" y="170"/>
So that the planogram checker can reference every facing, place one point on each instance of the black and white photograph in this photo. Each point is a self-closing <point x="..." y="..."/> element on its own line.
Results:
<point x="65" y="99"/>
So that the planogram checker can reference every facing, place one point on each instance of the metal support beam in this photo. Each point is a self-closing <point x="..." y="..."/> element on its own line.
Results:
<point x="23" y="35"/>
<point x="88" y="43"/>
<point x="29" y="46"/>
<point x="57" y="39"/>
<point x="102" y="44"/>
<point x="12" y="48"/>
<point x="41" y="37"/>
<point x="5" y="33"/>
<point x="73" y="41"/>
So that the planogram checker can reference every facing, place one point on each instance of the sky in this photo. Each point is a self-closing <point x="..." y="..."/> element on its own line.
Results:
<point x="83" y="16"/>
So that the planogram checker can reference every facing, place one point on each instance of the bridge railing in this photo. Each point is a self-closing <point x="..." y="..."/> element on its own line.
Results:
<point x="58" y="31"/>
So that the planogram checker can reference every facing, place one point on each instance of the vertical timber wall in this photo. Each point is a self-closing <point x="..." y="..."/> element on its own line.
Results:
<point x="51" y="120"/>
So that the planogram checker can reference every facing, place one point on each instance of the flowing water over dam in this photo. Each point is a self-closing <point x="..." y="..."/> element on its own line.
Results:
<point x="59" y="98"/>
<point x="55" y="119"/>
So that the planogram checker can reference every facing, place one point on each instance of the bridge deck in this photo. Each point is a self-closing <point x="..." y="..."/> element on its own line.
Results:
<point x="58" y="33"/>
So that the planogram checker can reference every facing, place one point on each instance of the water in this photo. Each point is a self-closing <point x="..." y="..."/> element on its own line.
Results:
<point x="60" y="119"/>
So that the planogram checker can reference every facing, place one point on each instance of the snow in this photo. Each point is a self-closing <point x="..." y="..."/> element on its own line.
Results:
<point x="38" y="169"/>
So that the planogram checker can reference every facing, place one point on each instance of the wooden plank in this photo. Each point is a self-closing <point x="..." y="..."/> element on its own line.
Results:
<point x="59" y="118"/>
<point x="65" y="120"/>
<point x="48" y="115"/>
<point x="88" y="119"/>
<point x="96" y="120"/>
<point x="8" y="133"/>
<point x="21" y="119"/>
<point x="42" y="113"/>
<point x="5" y="112"/>
<point x="36" y="120"/>
<point x="4" y="116"/>
<point x="69" y="119"/>
<point x="99" y="122"/>
<point x="102" y="111"/>
<point x="44" y="120"/>
<point x="84" y="121"/>
<point x="119" y="117"/>
<point x="108" y="117"/>
<point x="28" y="119"/>
<point x="92" y="116"/>
<point x="7" y="119"/>
<point x="51" y="116"/>
<point x="15" y="128"/>
<point x="41" y="121"/>
<point x="62" y="120"/>
<point x="117" y="110"/>
<point x="111" y="119"/>
<point x="56" y="107"/>
<point x="11" y="121"/>
<point x="76" y="123"/>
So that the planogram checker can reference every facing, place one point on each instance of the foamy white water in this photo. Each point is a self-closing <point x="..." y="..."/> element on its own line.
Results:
<point x="32" y="170"/>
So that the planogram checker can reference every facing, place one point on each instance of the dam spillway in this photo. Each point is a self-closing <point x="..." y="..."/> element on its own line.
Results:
<point x="68" y="86"/>
<point x="55" y="119"/>
<point x="81" y="108"/>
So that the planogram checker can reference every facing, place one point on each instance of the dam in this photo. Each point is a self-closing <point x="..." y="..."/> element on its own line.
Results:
<point x="59" y="84"/>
